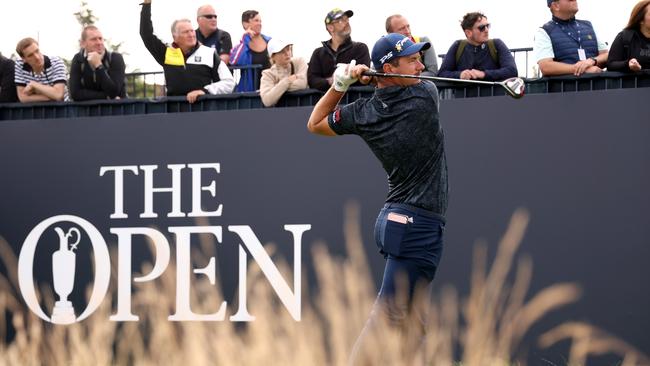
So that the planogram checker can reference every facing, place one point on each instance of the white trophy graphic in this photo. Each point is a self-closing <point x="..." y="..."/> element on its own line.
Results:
<point x="63" y="267"/>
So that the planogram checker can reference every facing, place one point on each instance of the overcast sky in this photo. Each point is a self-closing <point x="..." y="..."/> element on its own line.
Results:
<point x="300" y="22"/>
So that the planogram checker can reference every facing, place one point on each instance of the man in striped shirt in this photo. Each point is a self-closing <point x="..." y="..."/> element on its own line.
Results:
<point x="38" y="78"/>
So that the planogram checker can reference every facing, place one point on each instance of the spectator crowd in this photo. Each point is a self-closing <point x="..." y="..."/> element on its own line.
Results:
<point x="201" y="61"/>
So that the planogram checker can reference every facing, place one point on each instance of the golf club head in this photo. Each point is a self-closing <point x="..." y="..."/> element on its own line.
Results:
<point x="515" y="87"/>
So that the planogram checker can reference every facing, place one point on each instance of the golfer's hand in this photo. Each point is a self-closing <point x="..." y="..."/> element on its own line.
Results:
<point x="343" y="78"/>
<point x="634" y="65"/>
<point x="357" y="73"/>
<point x="194" y="95"/>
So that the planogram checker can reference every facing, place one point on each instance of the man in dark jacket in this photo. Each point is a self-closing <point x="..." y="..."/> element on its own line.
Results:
<point x="339" y="49"/>
<point x="7" y="86"/>
<point x="478" y="56"/>
<point x="191" y="69"/>
<point x="209" y="35"/>
<point x="96" y="73"/>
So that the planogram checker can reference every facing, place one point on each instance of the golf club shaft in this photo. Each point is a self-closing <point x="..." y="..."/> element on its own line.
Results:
<point x="432" y="78"/>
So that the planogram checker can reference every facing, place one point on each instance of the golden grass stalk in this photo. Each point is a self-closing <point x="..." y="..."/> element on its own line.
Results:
<point x="488" y="327"/>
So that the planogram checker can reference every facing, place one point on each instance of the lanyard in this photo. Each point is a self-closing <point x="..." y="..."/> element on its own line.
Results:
<point x="567" y="30"/>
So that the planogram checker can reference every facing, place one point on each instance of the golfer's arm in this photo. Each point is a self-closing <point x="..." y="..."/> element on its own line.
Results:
<point x="318" y="120"/>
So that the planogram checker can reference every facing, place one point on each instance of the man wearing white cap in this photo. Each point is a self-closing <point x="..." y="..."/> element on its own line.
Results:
<point x="286" y="73"/>
<point x="399" y="123"/>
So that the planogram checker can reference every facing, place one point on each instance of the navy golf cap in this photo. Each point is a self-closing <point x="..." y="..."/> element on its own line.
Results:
<point x="394" y="45"/>
<point x="549" y="2"/>
<point x="337" y="13"/>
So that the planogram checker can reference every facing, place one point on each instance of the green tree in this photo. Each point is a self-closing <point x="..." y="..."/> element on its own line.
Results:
<point x="85" y="15"/>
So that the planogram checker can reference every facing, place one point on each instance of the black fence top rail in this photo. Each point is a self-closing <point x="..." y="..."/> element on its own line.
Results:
<point x="303" y="98"/>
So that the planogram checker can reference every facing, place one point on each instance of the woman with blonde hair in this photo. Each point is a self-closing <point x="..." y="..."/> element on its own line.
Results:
<point x="287" y="73"/>
<point x="631" y="48"/>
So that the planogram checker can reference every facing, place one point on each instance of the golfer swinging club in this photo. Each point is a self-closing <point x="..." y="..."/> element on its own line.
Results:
<point x="400" y="125"/>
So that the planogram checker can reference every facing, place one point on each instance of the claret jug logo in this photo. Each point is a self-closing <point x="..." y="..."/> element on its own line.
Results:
<point x="75" y="232"/>
<point x="63" y="268"/>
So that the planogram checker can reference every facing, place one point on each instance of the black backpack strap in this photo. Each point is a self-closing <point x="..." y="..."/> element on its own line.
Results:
<point x="493" y="51"/>
<point x="459" y="51"/>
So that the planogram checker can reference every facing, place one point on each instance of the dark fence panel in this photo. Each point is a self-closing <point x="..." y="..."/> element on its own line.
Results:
<point x="578" y="161"/>
<point x="303" y="98"/>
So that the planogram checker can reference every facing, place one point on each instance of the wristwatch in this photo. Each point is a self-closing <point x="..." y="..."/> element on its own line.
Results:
<point x="595" y="61"/>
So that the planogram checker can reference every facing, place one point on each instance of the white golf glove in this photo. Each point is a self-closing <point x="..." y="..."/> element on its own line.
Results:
<point x="342" y="78"/>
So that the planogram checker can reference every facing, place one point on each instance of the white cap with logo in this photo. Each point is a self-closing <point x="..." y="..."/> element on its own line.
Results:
<point x="276" y="45"/>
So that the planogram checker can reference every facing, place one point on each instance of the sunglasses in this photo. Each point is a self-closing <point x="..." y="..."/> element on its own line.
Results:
<point x="209" y="16"/>
<point x="483" y="27"/>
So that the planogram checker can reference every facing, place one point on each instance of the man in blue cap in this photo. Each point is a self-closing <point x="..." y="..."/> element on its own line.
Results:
<point x="400" y="125"/>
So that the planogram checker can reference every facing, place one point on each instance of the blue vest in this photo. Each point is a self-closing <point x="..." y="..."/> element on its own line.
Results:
<point x="567" y="36"/>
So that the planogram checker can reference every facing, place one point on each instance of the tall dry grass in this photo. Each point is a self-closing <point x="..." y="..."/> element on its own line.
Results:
<point x="485" y="328"/>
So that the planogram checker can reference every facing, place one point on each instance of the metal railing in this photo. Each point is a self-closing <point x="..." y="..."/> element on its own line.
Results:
<point x="152" y="84"/>
<point x="515" y="53"/>
<point x="305" y="98"/>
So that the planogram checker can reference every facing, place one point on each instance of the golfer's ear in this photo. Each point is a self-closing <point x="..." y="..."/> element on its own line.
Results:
<point x="387" y="68"/>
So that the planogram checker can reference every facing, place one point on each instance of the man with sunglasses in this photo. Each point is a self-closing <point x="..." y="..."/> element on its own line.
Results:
<point x="339" y="49"/>
<point x="191" y="69"/>
<point x="209" y="35"/>
<point x="478" y="57"/>
<point x="566" y="45"/>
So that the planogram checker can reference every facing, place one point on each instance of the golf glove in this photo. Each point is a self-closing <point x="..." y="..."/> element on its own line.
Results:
<point x="342" y="78"/>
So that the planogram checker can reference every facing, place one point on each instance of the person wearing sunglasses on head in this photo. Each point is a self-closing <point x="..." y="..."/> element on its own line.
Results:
<point x="566" y="45"/>
<point x="209" y="35"/>
<point x="478" y="57"/>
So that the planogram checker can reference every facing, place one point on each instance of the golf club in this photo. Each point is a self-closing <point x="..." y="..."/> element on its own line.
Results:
<point x="515" y="87"/>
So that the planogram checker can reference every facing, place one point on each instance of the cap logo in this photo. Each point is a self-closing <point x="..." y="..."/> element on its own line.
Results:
<point x="389" y="55"/>
<point x="400" y="43"/>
